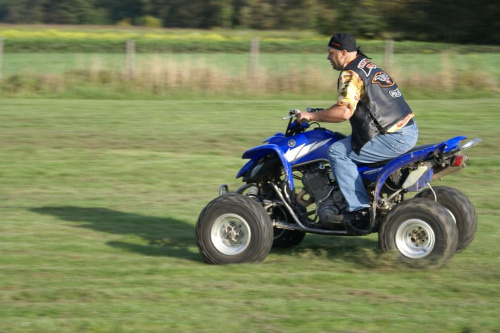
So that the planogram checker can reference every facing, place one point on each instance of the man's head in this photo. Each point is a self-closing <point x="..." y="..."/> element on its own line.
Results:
<point x="342" y="49"/>
<point x="343" y="41"/>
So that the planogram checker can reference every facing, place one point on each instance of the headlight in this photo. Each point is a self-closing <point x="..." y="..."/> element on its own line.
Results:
<point x="256" y="169"/>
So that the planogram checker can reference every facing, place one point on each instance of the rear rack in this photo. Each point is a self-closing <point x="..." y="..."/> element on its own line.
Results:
<point x="470" y="144"/>
<point x="465" y="146"/>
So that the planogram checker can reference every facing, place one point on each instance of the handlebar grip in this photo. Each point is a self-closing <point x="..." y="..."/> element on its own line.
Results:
<point x="304" y="121"/>
<point x="309" y="109"/>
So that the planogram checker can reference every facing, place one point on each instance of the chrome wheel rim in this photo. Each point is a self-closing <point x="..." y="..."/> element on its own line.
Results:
<point x="415" y="239"/>
<point x="452" y="216"/>
<point x="230" y="234"/>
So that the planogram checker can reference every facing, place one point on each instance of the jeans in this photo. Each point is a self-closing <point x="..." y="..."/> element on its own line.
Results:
<point x="380" y="148"/>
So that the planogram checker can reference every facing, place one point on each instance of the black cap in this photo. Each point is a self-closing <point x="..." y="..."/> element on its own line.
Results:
<point x="343" y="41"/>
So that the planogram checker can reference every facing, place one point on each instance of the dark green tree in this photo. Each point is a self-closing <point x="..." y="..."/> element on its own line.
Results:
<point x="362" y="18"/>
<point x="458" y="21"/>
<point x="4" y="9"/>
<point x="122" y="9"/>
<point x="73" y="12"/>
<point x="297" y="14"/>
<point x="178" y="13"/>
<point x="257" y="14"/>
<point x="219" y="13"/>
<point x="25" y="11"/>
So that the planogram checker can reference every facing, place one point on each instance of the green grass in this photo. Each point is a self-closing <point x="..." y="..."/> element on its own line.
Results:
<point x="99" y="200"/>
<point x="57" y="63"/>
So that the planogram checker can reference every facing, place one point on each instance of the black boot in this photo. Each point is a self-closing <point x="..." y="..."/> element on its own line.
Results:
<point x="362" y="215"/>
<point x="358" y="217"/>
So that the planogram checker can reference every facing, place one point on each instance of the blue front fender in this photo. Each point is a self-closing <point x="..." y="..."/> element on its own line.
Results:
<point x="255" y="154"/>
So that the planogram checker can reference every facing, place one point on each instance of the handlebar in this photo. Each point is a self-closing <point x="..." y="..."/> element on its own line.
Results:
<point x="295" y="127"/>
<point x="294" y="112"/>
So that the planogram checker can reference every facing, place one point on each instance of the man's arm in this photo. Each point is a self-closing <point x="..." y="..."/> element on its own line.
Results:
<point x="334" y="114"/>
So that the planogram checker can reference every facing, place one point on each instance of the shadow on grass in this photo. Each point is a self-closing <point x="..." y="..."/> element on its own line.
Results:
<point x="165" y="236"/>
<point x="174" y="238"/>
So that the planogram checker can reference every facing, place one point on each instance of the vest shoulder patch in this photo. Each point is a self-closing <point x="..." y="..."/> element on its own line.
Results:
<point x="383" y="79"/>
<point x="366" y="66"/>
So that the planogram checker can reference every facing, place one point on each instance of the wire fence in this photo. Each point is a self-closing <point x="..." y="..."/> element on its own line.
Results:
<point x="253" y="72"/>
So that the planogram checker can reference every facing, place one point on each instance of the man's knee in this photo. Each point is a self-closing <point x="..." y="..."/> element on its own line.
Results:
<point x="337" y="150"/>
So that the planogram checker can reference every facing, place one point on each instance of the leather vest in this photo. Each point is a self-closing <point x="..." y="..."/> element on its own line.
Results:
<point x="380" y="108"/>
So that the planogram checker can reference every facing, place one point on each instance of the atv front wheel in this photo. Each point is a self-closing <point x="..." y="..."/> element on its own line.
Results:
<point x="421" y="231"/>
<point x="460" y="207"/>
<point x="234" y="229"/>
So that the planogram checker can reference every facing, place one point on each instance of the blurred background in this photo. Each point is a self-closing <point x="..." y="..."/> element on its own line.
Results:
<point x="265" y="48"/>
<point x="457" y="21"/>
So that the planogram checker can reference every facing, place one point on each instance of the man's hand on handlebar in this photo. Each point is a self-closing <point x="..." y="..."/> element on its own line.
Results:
<point x="304" y="117"/>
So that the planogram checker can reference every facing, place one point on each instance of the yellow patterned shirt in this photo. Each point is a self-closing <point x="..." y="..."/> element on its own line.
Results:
<point x="351" y="89"/>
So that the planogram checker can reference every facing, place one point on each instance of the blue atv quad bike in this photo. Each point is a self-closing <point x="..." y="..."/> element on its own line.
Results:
<point x="274" y="209"/>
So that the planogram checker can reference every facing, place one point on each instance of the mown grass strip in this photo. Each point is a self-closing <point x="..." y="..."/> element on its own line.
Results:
<point x="91" y="40"/>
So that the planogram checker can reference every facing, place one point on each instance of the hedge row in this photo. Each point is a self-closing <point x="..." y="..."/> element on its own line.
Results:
<point x="57" y="45"/>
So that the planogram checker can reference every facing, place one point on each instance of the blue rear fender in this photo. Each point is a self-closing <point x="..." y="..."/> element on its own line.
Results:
<point x="380" y="174"/>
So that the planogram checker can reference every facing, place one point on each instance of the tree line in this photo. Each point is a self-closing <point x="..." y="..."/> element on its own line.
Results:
<point x="455" y="21"/>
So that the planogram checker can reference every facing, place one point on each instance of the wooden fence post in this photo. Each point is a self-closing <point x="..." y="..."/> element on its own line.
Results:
<point x="130" y="58"/>
<point x="389" y="51"/>
<point x="254" y="58"/>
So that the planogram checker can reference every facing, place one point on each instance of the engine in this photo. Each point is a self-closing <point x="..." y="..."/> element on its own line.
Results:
<point x="324" y="192"/>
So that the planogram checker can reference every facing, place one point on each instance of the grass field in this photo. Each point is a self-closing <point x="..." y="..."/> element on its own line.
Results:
<point x="57" y="63"/>
<point x="54" y="63"/>
<point x="99" y="200"/>
<point x="230" y="76"/>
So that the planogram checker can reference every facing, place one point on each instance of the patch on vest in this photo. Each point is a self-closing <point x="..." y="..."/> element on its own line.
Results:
<point x="395" y="93"/>
<point x="383" y="79"/>
<point x="366" y="66"/>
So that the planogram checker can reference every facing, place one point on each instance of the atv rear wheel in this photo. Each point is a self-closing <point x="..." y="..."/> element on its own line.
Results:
<point x="421" y="231"/>
<point x="460" y="207"/>
<point x="233" y="229"/>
